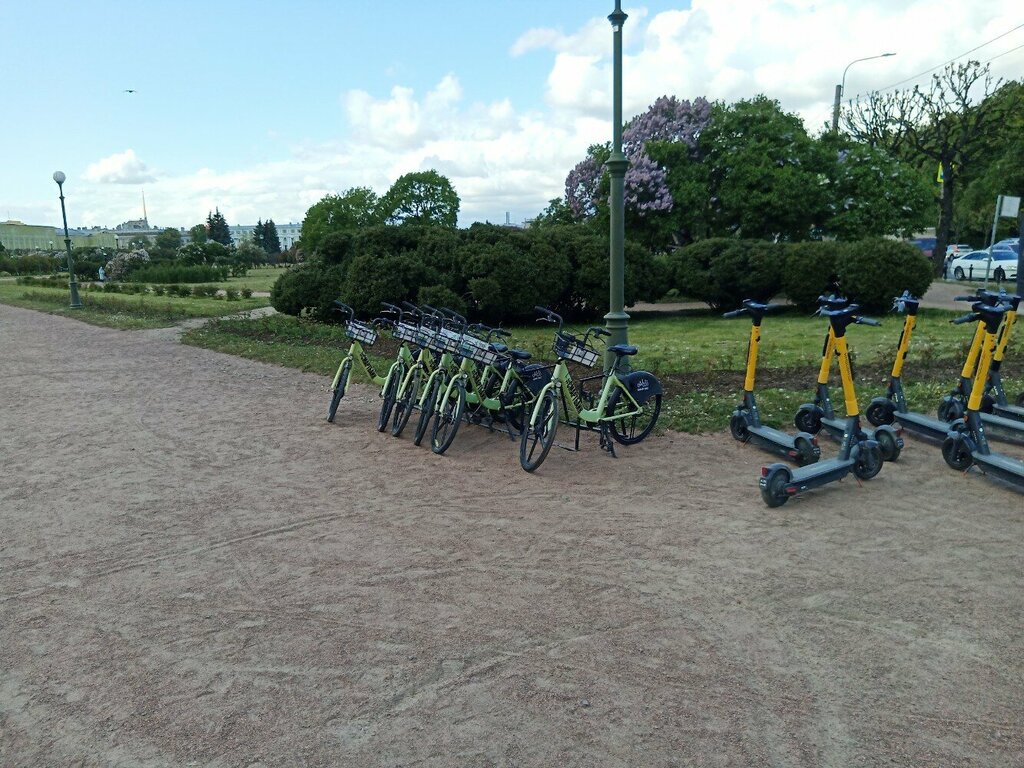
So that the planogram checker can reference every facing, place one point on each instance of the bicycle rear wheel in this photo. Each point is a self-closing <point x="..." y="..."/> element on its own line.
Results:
<point x="449" y="417"/>
<point x="630" y="430"/>
<point x="405" y="403"/>
<point x="339" y="391"/>
<point x="536" y="440"/>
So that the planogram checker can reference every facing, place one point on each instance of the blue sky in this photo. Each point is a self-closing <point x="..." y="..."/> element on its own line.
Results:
<point x="262" y="108"/>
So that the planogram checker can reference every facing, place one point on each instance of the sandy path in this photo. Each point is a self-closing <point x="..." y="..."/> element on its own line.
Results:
<point x="196" y="569"/>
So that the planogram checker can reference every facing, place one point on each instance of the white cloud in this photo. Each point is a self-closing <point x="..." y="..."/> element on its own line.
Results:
<point x="500" y="157"/>
<point x="121" y="168"/>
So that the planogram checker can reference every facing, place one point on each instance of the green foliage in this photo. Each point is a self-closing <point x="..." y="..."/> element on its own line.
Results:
<point x="197" y="234"/>
<point x="334" y="214"/>
<point x="125" y="263"/>
<point x="217" y="228"/>
<point x="177" y="272"/>
<point x="441" y="296"/>
<point x="807" y="269"/>
<point x="166" y="245"/>
<point x="425" y="197"/>
<point x="724" y="271"/>
<point x="872" y="271"/>
<point x="307" y="288"/>
<point x="373" y="278"/>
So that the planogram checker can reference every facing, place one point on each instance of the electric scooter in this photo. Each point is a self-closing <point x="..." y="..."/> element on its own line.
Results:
<point x="953" y="406"/>
<point x="863" y="457"/>
<point x="812" y="417"/>
<point x="966" y="443"/>
<point x="745" y="423"/>
<point x="886" y="410"/>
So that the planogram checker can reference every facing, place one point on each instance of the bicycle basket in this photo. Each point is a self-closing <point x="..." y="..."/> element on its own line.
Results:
<point x="450" y="341"/>
<point x="360" y="331"/>
<point x="478" y="350"/>
<point x="569" y="348"/>
<point x="407" y="332"/>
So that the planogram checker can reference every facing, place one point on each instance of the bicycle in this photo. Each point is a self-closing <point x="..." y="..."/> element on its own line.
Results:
<point x="626" y="409"/>
<point x="360" y="333"/>
<point x="408" y="392"/>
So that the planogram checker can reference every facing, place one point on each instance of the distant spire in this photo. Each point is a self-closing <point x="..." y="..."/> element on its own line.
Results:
<point x="145" y="218"/>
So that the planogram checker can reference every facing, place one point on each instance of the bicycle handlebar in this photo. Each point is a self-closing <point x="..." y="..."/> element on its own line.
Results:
<point x="599" y="331"/>
<point x="549" y="316"/>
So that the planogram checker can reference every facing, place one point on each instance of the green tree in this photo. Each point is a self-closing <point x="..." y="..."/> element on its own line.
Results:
<point x="258" y="235"/>
<point x="197" y="234"/>
<point x="424" y="197"/>
<point x="139" y="241"/>
<point x="944" y="125"/>
<point x="355" y="209"/>
<point x="763" y="172"/>
<point x="271" y="242"/>
<point x="873" y="194"/>
<point x="166" y="245"/>
<point x="217" y="228"/>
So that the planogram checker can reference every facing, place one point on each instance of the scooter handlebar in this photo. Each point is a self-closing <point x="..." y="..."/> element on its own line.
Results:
<point x="735" y="313"/>
<point x="866" y="321"/>
<point x="970" y="317"/>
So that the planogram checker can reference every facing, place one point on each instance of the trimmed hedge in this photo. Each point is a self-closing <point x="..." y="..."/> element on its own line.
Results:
<point x="179" y="273"/>
<point x="723" y="272"/>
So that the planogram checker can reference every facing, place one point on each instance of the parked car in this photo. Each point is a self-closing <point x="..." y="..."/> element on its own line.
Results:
<point x="958" y="249"/>
<point x="926" y="244"/>
<point x="975" y="265"/>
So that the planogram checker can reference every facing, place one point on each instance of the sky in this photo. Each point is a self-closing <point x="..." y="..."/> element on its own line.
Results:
<point x="260" y="109"/>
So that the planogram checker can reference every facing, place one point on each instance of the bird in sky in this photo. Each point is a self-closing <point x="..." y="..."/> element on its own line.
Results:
<point x="129" y="90"/>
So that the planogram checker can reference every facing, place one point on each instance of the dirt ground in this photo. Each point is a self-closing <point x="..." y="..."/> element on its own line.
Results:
<point x="196" y="569"/>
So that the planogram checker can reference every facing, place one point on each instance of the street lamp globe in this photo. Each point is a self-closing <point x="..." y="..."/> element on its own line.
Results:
<point x="59" y="177"/>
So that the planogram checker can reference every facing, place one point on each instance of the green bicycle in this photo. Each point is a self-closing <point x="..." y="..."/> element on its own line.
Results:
<point x="409" y="329"/>
<point x="361" y="333"/>
<point x="624" y="410"/>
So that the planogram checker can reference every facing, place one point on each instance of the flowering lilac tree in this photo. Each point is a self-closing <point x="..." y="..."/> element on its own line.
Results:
<point x="668" y="120"/>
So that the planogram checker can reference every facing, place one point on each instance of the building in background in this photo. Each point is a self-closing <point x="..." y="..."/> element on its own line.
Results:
<point x="288" y="234"/>
<point x="18" y="236"/>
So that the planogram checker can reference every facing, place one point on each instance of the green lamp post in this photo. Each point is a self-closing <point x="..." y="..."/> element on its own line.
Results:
<point x="76" y="303"/>
<point x="617" y="321"/>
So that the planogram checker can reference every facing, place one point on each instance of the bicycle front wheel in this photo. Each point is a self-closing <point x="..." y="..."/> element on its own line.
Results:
<point x="404" y="404"/>
<point x="449" y="417"/>
<point x="339" y="391"/>
<point x="389" y="394"/>
<point x="434" y="385"/>
<point x="537" y="438"/>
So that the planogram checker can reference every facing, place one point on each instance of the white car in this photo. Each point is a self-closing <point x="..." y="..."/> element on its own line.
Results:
<point x="976" y="266"/>
<point x="958" y="249"/>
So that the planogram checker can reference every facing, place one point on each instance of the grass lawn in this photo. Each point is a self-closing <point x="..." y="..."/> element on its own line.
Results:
<point x="255" y="279"/>
<point x="125" y="311"/>
<point x="700" y="358"/>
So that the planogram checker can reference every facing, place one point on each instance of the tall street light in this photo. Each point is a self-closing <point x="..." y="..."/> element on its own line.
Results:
<point x="76" y="303"/>
<point x="617" y="321"/>
<point x="841" y="88"/>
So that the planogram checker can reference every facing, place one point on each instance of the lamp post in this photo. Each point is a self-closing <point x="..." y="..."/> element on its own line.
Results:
<point x="617" y="321"/>
<point x="76" y="303"/>
<point x="841" y="88"/>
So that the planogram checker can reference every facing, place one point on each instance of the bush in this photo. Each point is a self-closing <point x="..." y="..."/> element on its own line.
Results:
<point x="232" y="294"/>
<point x="873" y="271"/>
<point x="179" y="273"/>
<point x="158" y="290"/>
<point x="441" y="296"/>
<point x="723" y="271"/>
<point x="184" y="291"/>
<point x="808" y="267"/>
<point x="307" y="288"/>
<point x="247" y="293"/>
<point x="125" y="263"/>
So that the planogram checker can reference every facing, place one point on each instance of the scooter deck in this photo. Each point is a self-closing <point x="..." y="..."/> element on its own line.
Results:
<point x="1014" y="412"/>
<point x="822" y="473"/>
<point x="1007" y="430"/>
<point x="923" y="425"/>
<point x="1002" y="466"/>
<point x="774" y="441"/>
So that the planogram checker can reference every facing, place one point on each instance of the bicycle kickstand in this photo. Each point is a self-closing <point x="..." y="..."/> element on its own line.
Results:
<point x="607" y="442"/>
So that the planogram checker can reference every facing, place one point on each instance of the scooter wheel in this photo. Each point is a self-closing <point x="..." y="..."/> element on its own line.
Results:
<point x="956" y="454"/>
<point x="808" y="420"/>
<point x="950" y="409"/>
<point x="806" y="451"/>
<point x="868" y="463"/>
<point x="738" y="428"/>
<point x="887" y="444"/>
<point x="880" y="413"/>
<point x="1020" y="399"/>
<point x="773" y="488"/>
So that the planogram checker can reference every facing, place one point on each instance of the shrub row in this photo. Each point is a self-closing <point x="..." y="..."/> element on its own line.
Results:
<point x="180" y="273"/>
<point x="722" y="272"/>
<point x="494" y="273"/>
